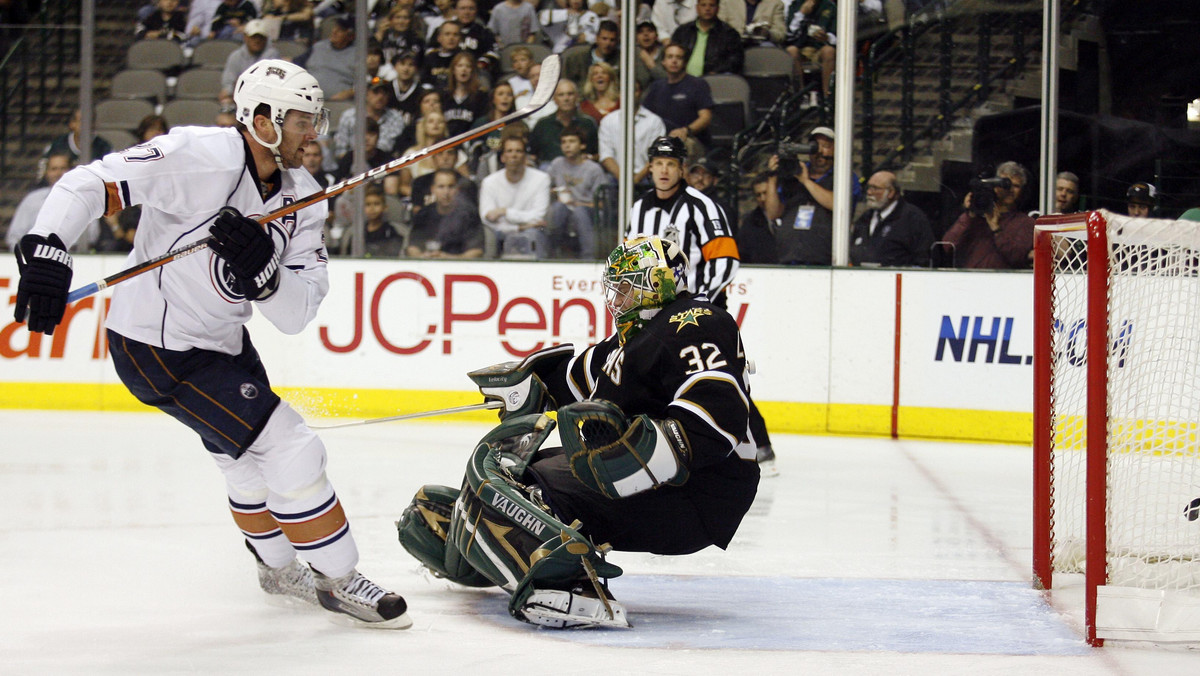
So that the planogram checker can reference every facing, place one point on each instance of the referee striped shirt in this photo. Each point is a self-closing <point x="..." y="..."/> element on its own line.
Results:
<point x="701" y="229"/>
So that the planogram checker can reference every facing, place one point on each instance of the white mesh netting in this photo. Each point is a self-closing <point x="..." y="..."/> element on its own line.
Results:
<point x="1153" y="401"/>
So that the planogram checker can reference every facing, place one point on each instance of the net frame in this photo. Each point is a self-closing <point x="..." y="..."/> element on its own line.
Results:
<point x="1108" y="437"/>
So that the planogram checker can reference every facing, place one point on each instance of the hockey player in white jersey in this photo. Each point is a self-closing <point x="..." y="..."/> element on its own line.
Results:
<point x="177" y="337"/>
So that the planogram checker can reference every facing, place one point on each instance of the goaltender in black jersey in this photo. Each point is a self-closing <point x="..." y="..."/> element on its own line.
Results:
<point x="651" y="422"/>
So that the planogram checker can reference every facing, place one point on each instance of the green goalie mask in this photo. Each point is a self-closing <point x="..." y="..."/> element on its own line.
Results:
<point x="643" y="274"/>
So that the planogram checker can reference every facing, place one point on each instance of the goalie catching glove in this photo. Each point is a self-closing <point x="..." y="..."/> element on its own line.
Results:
<point x="45" y="269"/>
<point x="248" y="251"/>
<point x="616" y="457"/>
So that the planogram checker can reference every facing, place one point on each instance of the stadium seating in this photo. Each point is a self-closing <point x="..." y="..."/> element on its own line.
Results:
<point x="212" y="54"/>
<point x="769" y="71"/>
<point x="184" y="112"/>
<point x="122" y="114"/>
<point x="731" y="94"/>
<point x="150" y="85"/>
<point x="198" y="83"/>
<point x="289" y="49"/>
<point x="162" y="55"/>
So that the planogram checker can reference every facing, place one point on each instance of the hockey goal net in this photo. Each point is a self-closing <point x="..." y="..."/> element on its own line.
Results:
<point x="1117" y="420"/>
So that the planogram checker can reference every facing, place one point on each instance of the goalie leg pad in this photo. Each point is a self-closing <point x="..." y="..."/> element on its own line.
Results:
<point x="423" y="527"/>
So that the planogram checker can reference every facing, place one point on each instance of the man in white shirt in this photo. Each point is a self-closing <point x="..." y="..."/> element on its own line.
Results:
<point x="646" y="127"/>
<point x="27" y="210"/>
<point x="514" y="204"/>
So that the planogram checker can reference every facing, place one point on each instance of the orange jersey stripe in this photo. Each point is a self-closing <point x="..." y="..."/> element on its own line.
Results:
<point x="719" y="247"/>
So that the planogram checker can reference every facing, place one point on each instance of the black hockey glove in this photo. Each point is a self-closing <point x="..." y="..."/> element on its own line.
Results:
<point x="248" y="251"/>
<point x="45" y="268"/>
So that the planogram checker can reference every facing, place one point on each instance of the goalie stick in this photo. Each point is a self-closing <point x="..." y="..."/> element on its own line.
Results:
<point x="547" y="83"/>
<point x="413" y="416"/>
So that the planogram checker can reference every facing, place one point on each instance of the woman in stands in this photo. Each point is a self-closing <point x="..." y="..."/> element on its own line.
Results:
<point x="601" y="92"/>
<point x="466" y="99"/>
<point x="502" y="102"/>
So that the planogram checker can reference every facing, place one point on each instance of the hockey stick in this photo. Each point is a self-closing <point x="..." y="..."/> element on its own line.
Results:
<point x="547" y="83"/>
<point x="413" y="416"/>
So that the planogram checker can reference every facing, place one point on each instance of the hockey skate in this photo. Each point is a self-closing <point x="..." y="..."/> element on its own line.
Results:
<point x="766" y="462"/>
<point x="291" y="585"/>
<point x="359" y="602"/>
<point x="576" y="609"/>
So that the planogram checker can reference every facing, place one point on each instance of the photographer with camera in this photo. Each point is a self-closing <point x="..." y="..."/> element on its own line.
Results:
<point x="804" y="234"/>
<point x="992" y="233"/>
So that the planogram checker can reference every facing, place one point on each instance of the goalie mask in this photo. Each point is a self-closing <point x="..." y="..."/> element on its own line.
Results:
<point x="281" y="86"/>
<point x="643" y="274"/>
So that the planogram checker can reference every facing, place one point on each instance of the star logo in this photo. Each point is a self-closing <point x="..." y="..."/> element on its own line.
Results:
<point x="689" y="316"/>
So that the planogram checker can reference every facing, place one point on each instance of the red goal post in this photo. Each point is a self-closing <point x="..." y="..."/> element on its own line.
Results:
<point x="1117" y="420"/>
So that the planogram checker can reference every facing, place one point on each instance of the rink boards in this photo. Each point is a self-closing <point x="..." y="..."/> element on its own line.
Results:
<point x="936" y="354"/>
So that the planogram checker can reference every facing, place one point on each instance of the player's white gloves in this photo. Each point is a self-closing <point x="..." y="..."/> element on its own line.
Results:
<point x="45" y="268"/>
<point x="618" y="458"/>
<point x="248" y="251"/>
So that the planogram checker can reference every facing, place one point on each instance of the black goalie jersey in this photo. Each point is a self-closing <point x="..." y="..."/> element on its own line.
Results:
<point x="686" y="363"/>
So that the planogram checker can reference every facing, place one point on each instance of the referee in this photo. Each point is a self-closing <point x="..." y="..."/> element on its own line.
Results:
<point x="686" y="216"/>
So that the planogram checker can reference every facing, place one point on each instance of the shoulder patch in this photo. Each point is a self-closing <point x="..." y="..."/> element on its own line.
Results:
<point x="691" y="316"/>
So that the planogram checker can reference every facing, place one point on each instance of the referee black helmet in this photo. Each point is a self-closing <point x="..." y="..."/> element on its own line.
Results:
<point x="667" y="146"/>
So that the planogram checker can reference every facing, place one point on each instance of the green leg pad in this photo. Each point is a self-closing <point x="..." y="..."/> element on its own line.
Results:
<point x="422" y="529"/>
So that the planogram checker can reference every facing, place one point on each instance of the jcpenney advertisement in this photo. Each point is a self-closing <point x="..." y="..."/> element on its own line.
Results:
<point x="932" y="354"/>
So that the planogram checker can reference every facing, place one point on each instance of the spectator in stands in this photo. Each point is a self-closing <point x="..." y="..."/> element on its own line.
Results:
<point x="759" y="21"/>
<point x="295" y="17"/>
<point x="648" y="66"/>
<point x="646" y="127"/>
<point x="314" y="156"/>
<point x="433" y="14"/>
<point x="492" y="161"/>
<point x="167" y="22"/>
<point x="226" y="116"/>
<point x="408" y="88"/>
<point x="577" y="65"/>
<point x="601" y="92"/>
<point x="388" y="121"/>
<point x="574" y="179"/>
<point x="430" y="130"/>
<point x="115" y="232"/>
<point x="501" y="103"/>
<point x="522" y="86"/>
<point x="151" y="126"/>
<point x="1141" y="200"/>
<point x="375" y="155"/>
<point x="755" y="243"/>
<point x="382" y="239"/>
<point x="464" y="101"/>
<point x="436" y="70"/>
<point x="58" y="163"/>
<point x="810" y="35"/>
<point x="569" y="23"/>
<point x="230" y="18"/>
<point x="547" y="110"/>
<point x="450" y="226"/>
<point x="1066" y="193"/>
<point x="397" y="34"/>
<point x="255" y="47"/>
<point x="683" y="101"/>
<point x="891" y="232"/>
<point x="671" y="14"/>
<point x="199" y="19"/>
<point x="427" y="100"/>
<point x="422" y="186"/>
<point x="544" y="141"/>
<point x="331" y="61"/>
<point x="514" y="203"/>
<point x="712" y="46"/>
<point x="514" y="22"/>
<point x="477" y="38"/>
<point x="1003" y="237"/>
<point x="804" y="233"/>
<point x="703" y="175"/>
<point x="69" y="142"/>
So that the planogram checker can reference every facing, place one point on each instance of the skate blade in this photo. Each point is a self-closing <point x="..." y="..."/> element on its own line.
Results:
<point x="401" y="621"/>
<point x="289" y="602"/>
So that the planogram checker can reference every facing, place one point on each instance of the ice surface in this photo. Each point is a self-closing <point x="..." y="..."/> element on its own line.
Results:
<point x="118" y="555"/>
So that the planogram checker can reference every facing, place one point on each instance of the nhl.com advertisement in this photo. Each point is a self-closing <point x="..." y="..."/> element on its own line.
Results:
<point x="832" y="350"/>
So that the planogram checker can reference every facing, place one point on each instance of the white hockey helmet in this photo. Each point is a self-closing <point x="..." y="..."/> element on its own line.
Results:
<point x="282" y="86"/>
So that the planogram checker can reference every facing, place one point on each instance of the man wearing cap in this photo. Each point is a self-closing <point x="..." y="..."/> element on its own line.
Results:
<point x="331" y="61"/>
<point x="1141" y="199"/>
<point x="648" y="66"/>
<point x="390" y="121"/>
<point x="255" y="47"/>
<point x="805" y="229"/>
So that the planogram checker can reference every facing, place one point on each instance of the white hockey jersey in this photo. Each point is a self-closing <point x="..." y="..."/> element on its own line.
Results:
<point x="182" y="180"/>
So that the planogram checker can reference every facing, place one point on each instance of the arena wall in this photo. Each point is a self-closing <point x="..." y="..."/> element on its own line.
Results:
<point x="934" y="354"/>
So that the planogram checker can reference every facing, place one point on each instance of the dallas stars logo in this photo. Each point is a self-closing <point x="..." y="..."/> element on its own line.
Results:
<point x="690" y="316"/>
